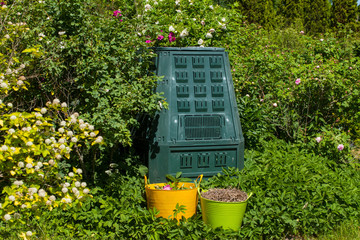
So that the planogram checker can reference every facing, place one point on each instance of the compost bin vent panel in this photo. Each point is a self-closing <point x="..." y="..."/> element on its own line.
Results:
<point x="202" y="127"/>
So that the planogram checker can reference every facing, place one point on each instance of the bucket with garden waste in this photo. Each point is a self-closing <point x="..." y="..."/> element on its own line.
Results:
<point x="174" y="199"/>
<point x="223" y="207"/>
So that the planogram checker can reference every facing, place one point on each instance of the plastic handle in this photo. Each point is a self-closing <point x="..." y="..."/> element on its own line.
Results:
<point x="200" y="176"/>
<point x="145" y="180"/>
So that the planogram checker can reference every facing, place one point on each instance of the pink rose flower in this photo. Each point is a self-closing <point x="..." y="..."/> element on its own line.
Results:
<point x="318" y="139"/>
<point x="298" y="81"/>
<point x="340" y="147"/>
<point x="117" y="13"/>
<point x="148" y="41"/>
<point x="172" y="37"/>
<point x="160" y="37"/>
<point x="167" y="187"/>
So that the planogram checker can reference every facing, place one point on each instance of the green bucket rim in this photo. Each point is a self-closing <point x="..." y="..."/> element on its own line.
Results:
<point x="249" y="195"/>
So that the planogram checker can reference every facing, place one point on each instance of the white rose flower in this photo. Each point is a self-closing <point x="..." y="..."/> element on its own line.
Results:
<point x="4" y="148"/>
<point x="63" y="123"/>
<point x="23" y="206"/>
<point x="21" y="164"/>
<point x="223" y="19"/>
<point x="74" y="139"/>
<point x="99" y="139"/>
<point x="70" y="133"/>
<point x="61" y="140"/>
<point x="64" y="190"/>
<point x="67" y="184"/>
<point x="12" y="198"/>
<point x="52" y="198"/>
<point x="11" y="131"/>
<point x="71" y="174"/>
<point x="38" y="115"/>
<point x="13" y="149"/>
<point x="62" y="146"/>
<point x="29" y="144"/>
<point x="86" y="191"/>
<point x="79" y="171"/>
<point x="83" y="184"/>
<point x="211" y="7"/>
<point x="38" y="122"/>
<point x="58" y="156"/>
<point x="29" y="165"/>
<point x="48" y="202"/>
<point x="43" y="110"/>
<point x="47" y="141"/>
<point x="39" y="164"/>
<point x="36" y="168"/>
<point x="51" y="162"/>
<point x="184" y="33"/>
<point x="32" y="190"/>
<point x="82" y="126"/>
<point x="29" y="233"/>
<point x="7" y="36"/>
<point x="74" y="190"/>
<point x="77" y="184"/>
<point x="275" y="104"/>
<point x="61" y="130"/>
<point x="61" y="33"/>
<point x="20" y="83"/>
<point x="81" y="121"/>
<point x="12" y="117"/>
<point x="64" y="105"/>
<point x="212" y="30"/>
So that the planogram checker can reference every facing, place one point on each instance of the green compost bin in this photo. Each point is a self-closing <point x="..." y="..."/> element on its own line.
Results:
<point x="200" y="132"/>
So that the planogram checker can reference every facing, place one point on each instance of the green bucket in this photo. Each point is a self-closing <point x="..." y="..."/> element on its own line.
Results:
<point x="228" y="215"/>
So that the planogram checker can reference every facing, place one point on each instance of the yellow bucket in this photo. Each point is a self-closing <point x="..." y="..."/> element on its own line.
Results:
<point x="165" y="200"/>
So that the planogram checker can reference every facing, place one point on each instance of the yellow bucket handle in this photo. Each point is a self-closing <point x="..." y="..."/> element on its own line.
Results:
<point x="145" y="180"/>
<point x="198" y="184"/>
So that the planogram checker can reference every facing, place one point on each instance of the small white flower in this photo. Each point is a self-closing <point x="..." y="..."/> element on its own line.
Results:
<point x="223" y="19"/>
<point x="56" y="101"/>
<point x="61" y="33"/>
<point x="79" y="171"/>
<point x="64" y="105"/>
<point x="99" y="139"/>
<point x="7" y="36"/>
<point x="21" y="164"/>
<point x="43" y="110"/>
<point x="7" y="217"/>
<point x="74" y="139"/>
<point x="11" y="131"/>
<point x="171" y="29"/>
<point x="18" y="183"/>
<point x="64" y="190"/>
<point x="147" y="7"/>
<point x="91" y="127"/>
<point x="32" y="190"/>
<point x="36" y="168"/>
<point x="212" y="30"/>
<point x="275" y="104"/>
<point x="23" y="206"/>
<point x="61" y="130"/>
<point x="200" y="42"/>
<point x="13" y="149"/>
<point x="321" y="39"/>
<point x="4" y="148"/>
<point x="66" y="184"/>
<point x="52" y="198"/>
<point x="178" y="10"/>
<point x="184" y="33"/>
<point x="209" y="35"/>
<point x="211" y="7"/>
<point x="58" y="156"/>
<point x="74" y="190"/>
<point x="3" y="85"/>
<point x="38" y="122"/>
<point x="8" y="71"/>
<point x="47" y="141"/>
<point x="77" y="184"/>
<point x="177" y="2"/>
<point x="70" y="133"/>
<point x="48" y="202"/>
<point x="81" y="121"/>
<point x="86" y="191"/>
<point x="39" y="164"/>
<point x="41" y="35"/>
<point x="29" y="165"/>
<point x="92" y="134"/>
<point x="51" y="162"/>
<point x="62" y="146"/>
<point x="12" y="117"/>
<point x="29" y="144"/>
<point x="38" y="115"/>
<point x="71" y="174"/>
<point x="83" y="184"/>
<point x="12" y="198"/>
<point x="42" y="193"/>
<point x="29" y="233"/>
<point x="82" y="126"/>
<point x="61" y="140"/>
<point x="63" y="123"/>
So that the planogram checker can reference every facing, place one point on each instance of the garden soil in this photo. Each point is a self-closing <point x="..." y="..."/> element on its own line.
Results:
<point x="225" y="195"/>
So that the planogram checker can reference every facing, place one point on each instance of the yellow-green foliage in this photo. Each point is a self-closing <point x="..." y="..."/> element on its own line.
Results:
<point x="32" y="144"/>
